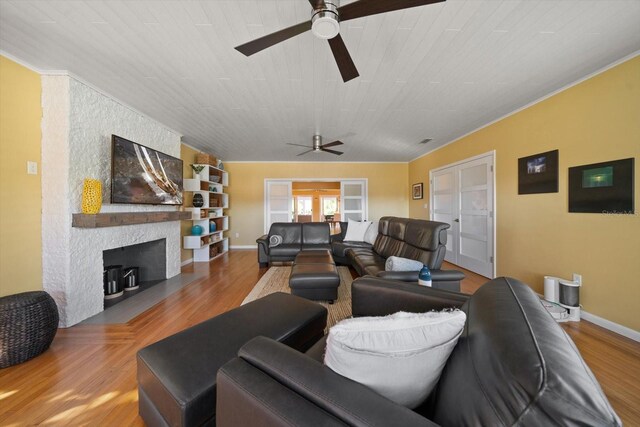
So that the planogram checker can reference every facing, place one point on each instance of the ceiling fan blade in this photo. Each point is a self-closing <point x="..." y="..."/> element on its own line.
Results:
<point x="298" y="145"/>
<point x="269" y="40"/>
<point x="362" y="8"/>
<point x="305" y="152"/>
<point x="333" y="144"/>
<point x="343" y="59"/>
<point x="331" y="151"/>
<point x="317" y="4"/>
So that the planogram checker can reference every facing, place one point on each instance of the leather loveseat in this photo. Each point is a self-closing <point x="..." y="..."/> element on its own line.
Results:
<point x="513" y="365"/>
<point x="416" y="239"/>
<point x="296" y="237"/>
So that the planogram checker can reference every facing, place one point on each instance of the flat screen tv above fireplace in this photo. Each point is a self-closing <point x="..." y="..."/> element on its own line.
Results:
<point x="142" y="175"/>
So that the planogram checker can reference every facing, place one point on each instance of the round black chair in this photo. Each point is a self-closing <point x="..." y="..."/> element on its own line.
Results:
<point x="28" y="323"/>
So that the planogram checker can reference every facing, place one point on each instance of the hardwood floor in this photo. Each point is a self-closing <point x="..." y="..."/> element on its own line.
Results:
<point x="88" y="376"/>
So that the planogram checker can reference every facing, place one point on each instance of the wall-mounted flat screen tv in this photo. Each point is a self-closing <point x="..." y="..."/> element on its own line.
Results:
<point x="142" y="175"/>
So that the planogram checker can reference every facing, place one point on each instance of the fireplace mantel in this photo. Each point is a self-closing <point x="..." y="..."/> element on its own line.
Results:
<point x="116" y="219"/>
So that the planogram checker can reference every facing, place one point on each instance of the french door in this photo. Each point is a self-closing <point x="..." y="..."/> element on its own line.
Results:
<point x="278" y="203"/>
<point x="353" y="194"/>
<point x="463" y="195"/>
<point x="279" y="206"/>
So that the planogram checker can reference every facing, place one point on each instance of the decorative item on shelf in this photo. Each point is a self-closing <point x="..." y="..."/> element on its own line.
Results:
<point x="197" y="168"/>
<point x="196" y="230"/>
<point x="198" y="200"/>
<point x="212" y="226"/>
<point x="206" y="159"/>
<point x="203" y="213"/>
<point x="214" y="190"/>
<point x="215" y="178"/>
<point x="220" y="165"/>
<point x="91" y="196"/>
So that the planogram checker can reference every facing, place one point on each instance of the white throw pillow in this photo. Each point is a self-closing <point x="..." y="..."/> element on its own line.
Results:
<point x="396" y="263"/>
<point x="372" y="233"/>
<point x="356" y="230"/>
<point x="400" y="356"/>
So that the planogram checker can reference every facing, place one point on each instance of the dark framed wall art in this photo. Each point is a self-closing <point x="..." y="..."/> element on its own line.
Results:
<point x="605" y="187"/>
<point x="538" y="173"/>
<point x="416" y="191"/>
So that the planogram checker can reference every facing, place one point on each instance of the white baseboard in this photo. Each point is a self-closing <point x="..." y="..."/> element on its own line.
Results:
<point x="243" y="246"/>
<point x="186" y="262"/>
<point x="612" y="326"/>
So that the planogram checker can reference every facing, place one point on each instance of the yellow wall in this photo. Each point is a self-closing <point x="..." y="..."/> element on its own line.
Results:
<point x="388" y="190"/>
<point x="188" y="156"/>
<point x="594" y="121"/>
<point x="20" y="194"/>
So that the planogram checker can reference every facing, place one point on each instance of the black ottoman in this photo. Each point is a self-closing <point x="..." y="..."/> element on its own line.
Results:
<point x="177" y="375"/>
<point x="314" y="276"/>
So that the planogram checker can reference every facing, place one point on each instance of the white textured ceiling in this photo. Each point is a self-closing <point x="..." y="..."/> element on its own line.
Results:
<point x="436" y="71"/>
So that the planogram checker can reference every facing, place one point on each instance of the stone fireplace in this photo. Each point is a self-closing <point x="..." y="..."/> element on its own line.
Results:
<point x="77" y="125"/>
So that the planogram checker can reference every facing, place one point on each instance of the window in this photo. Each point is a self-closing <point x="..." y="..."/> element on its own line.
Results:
<point x="305" y="205"/>
<point x="329" y="205"/>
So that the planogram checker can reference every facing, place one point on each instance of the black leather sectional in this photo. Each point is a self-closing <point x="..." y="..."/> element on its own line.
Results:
<point x="417" y="239"/>
<point x="512" y="366"/>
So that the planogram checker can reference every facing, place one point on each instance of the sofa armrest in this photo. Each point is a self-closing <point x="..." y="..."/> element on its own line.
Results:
<point x="404" y="276"/>
<point x="412" y="276"/>
<point x="374" y="296"/>
<point x="340" y="397"/>
<point x="447" y="276"/>
<point x="263" y="240"/>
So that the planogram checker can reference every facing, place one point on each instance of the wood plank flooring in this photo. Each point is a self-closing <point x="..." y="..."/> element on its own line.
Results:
<point x="88" y="376"/>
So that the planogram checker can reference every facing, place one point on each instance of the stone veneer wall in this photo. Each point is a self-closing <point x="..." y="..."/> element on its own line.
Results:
<point x="77" y="125"/>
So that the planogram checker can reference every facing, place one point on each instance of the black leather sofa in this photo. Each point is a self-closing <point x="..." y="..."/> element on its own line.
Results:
<point x="513" y="365"/>
<point x="416" y="239"/>
<point x="296" y="237"/>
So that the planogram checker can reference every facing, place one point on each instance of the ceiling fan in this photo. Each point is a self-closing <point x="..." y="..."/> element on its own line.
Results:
<point x="325" y="24"/>
<point x="319" y="146"/>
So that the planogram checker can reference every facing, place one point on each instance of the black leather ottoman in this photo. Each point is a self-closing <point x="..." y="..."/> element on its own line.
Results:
<point x="177" y="375"/>
<point x="314" y="276"/>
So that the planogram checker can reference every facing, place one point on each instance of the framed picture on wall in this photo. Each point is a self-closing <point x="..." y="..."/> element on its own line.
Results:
<point x="538" y="173"/>
<point x="605" y="187"/>
<point x="416" y="191"/>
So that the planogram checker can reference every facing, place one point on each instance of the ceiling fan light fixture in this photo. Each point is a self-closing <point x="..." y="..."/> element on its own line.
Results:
<point x="325" y="23"/>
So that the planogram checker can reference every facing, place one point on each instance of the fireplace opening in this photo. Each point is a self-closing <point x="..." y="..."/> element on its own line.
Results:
<point x="132" y="269"/>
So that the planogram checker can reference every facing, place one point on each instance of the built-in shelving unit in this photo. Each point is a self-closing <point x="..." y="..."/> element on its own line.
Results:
<point x="211" y="183"/>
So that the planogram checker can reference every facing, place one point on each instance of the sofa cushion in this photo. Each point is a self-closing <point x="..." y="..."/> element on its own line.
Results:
<point x="395" y="263"/>
<point x="426" y="235"/>
<point x="399" y="356"/>
<point x="285" y="250"/>
<point x="316" y="233"/>
<point x="530" y="373"/>
<point x="316" y="247"/>
<point x="339" y="248"/>
<point x="291" y="232"/>
<point x="356" y="231"/>
<point x="372" y="233"/>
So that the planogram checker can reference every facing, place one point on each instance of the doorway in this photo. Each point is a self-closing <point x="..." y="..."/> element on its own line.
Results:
<point x="463" y="195"/>
<point x="319" y="200"/>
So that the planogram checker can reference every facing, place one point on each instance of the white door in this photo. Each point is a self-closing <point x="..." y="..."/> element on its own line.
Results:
<point x="462" y="195"/>
<point x="353" y="196"/>
<point x="443" y="202"/>
<point x="278" y="202"/>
